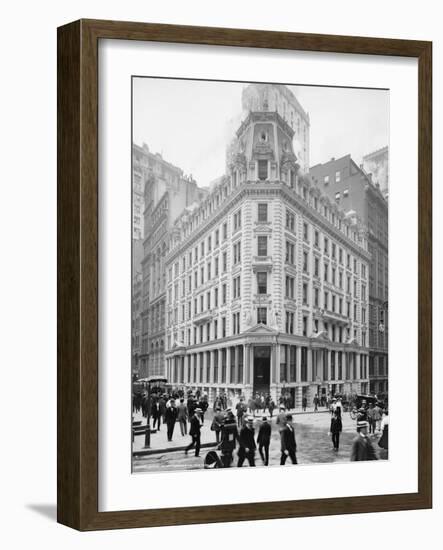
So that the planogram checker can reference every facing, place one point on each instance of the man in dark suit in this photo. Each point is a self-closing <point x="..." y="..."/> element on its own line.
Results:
<point x="229" y="438"/>
<point x="281" y="417"/>
<point x="288" y="444"/>
<point x="264" y="440"/>
<point x="155" y="413"/>
<point x="247" y="443"/>
<point x="362" y="448"/>
<point x="162" y="407"/>
<point x="171" y="418"/>
<point x="194" y="432"/>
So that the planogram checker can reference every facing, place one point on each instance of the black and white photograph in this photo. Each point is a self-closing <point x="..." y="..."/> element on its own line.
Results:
<point x="260" y="299"/>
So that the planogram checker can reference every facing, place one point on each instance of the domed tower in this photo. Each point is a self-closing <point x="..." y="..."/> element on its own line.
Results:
<point x="280" y="99"/>
<point x="263" y="150"/>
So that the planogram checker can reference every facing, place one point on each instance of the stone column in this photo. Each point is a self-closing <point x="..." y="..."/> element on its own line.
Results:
<point x="328" y="355"/>
<point x="236" y="359"/>
<point x="298" y="363"/>
<point x="198" y="377"/>
<point x="228" y="365"/>
<point x="247" y="370"/>
<point x="186" y="370"/>
<point x="309" y="358"/>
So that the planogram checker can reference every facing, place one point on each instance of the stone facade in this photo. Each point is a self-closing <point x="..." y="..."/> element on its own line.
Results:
<point x="353" y="189"/>
<point x="166" y="192"/>
<point x="267" y="279"/>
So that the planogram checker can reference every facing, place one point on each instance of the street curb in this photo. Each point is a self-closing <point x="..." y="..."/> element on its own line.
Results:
<point x="148" y="452"/>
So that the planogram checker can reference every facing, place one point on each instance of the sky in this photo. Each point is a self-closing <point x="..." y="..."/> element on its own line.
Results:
<point x="191" y="122"/>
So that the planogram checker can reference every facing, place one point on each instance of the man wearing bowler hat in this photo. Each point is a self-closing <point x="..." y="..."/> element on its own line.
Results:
<point x="287" y="439"/>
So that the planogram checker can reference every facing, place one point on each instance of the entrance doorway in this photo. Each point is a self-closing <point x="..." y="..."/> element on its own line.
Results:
<point x="262" y="369"/>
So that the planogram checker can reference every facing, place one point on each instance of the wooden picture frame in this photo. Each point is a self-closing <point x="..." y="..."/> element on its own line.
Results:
<point x="78" y="273"/>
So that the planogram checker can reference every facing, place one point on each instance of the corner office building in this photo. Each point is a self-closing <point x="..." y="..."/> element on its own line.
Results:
<point x="267" y="280"/>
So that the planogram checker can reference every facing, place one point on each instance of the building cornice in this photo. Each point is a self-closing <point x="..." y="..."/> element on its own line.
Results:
<point x="247" y="189"/>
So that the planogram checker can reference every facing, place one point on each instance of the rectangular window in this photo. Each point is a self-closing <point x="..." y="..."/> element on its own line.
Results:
<point x="236" y="323"/>
<point x="209" y="271"/>
<point x="316" y="267"/>
<point x="237" y="252"/>
<point x="263" y="212"/>
<point x="209" y="243"/>
<point x="223" y="327"/>
<point x="225" y="262"/>
<point x="262" y="169"/>
<point x="290" y="220"/>
<point x="224" y="294"/>
<point x="261" y="315"/>
<point x="325" y="271"/>
<point x="202" y="246"/>
<point x="195" y="279"/>
<point x="305" y="293"/>
<point x="316" y="238"/>
<point x="305" y="262"/>
<point x="337" y="176"/>
<point x="326" y="180"/>
<point x="326" y="300"/>
<point x="289" y="253"/>
<point x="225" y="231"/>
<point x="305" y="326"/>
<point x="289" y="287"/>
<point x="237" y="220"/>
<point x="208" y="300"/>
<point x="236" y="289"/>
<point x="262" y="245"/>
<point x="289" y="322"/>
<point x="202" y="275"/>
<point x="316" y="297"/>
<point x="305" y="232"/>
<point x="215" y="297"/>
<point x="217" y="237"/>
<point x="262" y="283"/>
<point x="326" y="245"/>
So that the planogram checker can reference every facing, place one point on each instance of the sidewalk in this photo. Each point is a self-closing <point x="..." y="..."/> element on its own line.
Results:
<point x="159" y="440"/>
<point x="160" y="443"/>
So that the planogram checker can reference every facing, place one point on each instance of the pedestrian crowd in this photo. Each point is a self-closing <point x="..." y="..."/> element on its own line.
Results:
<point x="234" y="430"/>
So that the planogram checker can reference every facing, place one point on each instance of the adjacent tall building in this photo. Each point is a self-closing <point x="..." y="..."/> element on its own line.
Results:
<point x="359" y="194"/>
<point x="377" y="164"/>
<point x="267" y="278"/>
<point x="166" y="192"/>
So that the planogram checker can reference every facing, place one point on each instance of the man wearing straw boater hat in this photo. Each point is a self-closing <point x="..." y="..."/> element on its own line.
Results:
<point x="362" y="448"/>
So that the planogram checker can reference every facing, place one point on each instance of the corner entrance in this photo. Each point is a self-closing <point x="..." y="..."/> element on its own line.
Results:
<point x="262" y="369"/>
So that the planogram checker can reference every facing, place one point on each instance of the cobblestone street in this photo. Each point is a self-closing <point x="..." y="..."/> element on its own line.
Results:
<point x="313" y="446"/>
